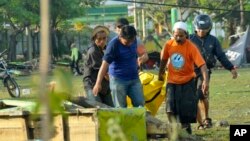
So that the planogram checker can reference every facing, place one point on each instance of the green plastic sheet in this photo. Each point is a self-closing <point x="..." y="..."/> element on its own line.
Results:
<point x="122" y="124"/>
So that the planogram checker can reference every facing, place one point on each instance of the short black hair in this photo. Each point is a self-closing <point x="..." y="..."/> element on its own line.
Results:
<point x="121" y="22"/>
<point x="128" y="32"/>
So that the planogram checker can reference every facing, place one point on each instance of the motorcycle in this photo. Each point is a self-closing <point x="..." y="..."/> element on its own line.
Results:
<point x="7" y="79"/>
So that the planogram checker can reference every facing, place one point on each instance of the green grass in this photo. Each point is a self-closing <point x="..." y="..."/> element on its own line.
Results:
<point x="229" y="97"/>
<point x="229" y="100"/>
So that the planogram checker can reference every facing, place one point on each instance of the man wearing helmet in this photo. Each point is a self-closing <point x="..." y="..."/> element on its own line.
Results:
<point x="181" y="101"/>
<point x="210" y="48"/>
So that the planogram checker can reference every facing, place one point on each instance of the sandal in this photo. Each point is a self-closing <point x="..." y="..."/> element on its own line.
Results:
<point x="201" y="127"/>
<point x="207" y="123"/>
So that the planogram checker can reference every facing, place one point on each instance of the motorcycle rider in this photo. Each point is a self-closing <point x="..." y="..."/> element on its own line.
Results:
<point x="210" y="48"/>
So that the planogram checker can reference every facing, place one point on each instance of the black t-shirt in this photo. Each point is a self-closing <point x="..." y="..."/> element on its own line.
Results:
<point x="92" y="64"/>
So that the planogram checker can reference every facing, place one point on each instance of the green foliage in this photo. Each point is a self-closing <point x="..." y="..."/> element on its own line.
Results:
<point x="67" y="9"/>
<point x="228" y="13"/>
<point x="247" y="14"/>
<point x="61" y="12"/>
<point x="64" y="9"/>
<point x="3" y="3"/>
<point x="18" y="12"/>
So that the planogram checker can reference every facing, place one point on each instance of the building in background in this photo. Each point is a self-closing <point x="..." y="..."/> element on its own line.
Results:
<point x="103" y="15"/>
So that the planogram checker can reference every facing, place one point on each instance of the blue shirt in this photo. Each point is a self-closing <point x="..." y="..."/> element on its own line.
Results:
<point x="122" y="59"/>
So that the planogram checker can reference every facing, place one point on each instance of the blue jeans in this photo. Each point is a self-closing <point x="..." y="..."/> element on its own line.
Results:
<point x="121" y="88"/>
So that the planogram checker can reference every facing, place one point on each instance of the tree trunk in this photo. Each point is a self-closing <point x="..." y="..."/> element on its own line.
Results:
<point x="54" y="41"/>
<point x="242" y="20"/>
<point x="35" y="45"/>
<point x="68" y="41"/>
<point x="60" y="48"/>
<point x="12" y="47"/>
<point x="231" y="31"/>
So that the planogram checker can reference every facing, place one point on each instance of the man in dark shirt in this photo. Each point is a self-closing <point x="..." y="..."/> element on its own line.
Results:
<point x="210" y="48"/>
<point x="92" y="65"/>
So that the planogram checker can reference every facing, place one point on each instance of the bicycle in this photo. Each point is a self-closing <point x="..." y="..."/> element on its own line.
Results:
<point x="7" y="79"/>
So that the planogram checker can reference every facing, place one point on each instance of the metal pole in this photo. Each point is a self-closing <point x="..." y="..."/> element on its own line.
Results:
<point x="174" y="15"/>
<point x="43" y="67"/>
<point x="143" y="24"/>
<point x="135" y="15"/>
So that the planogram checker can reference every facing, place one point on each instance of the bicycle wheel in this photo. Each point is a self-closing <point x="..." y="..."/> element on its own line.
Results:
<point x="12" y="87"/>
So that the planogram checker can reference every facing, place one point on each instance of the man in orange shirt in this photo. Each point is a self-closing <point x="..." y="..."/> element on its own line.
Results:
<point x="181" y="90"/>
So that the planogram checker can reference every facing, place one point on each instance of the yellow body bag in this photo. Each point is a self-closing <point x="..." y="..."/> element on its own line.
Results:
<point x="154" y="92"/>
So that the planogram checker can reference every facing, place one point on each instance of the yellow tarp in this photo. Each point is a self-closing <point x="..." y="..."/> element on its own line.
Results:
<point x="122" y="124"/>
<point x="154" y="92"/>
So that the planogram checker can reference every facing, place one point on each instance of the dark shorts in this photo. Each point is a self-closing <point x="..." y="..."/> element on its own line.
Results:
<point x="182" y="101"/>
<point x="198" y="81"/>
